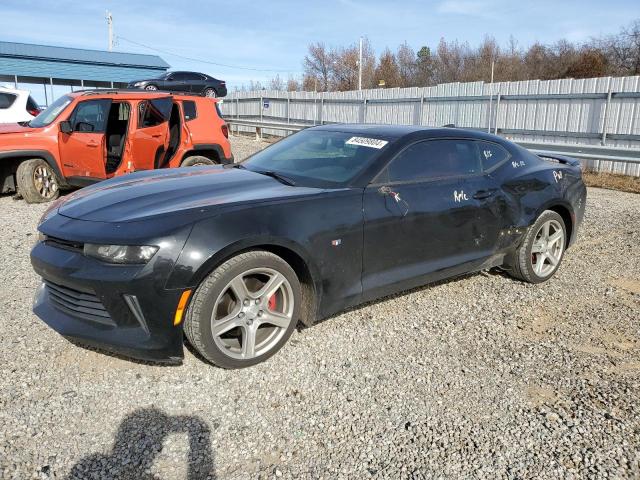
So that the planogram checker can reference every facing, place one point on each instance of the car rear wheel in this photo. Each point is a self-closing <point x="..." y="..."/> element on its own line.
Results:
<point x="210" y="92"/>
<point x="37" y="182"/>
<point x="151" y="87"/>
<point x="244" y="311"/>
<point x="540" y="254"/>
<point x="196" y="161"/>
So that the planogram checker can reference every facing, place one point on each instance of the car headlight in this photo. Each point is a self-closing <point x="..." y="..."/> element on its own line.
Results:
<point x="137" y="84"/>
<point x="121" y="254"/>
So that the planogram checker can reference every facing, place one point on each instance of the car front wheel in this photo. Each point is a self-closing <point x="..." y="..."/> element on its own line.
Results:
<point x="196" y="161"/>
<point x="37" y="182"/>
<point x="540" y="254"/>
<point x="245" y="310"/>
<point x="151" y="87"/>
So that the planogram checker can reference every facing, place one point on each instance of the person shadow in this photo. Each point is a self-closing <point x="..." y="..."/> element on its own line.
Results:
<point x="138" y="442"/>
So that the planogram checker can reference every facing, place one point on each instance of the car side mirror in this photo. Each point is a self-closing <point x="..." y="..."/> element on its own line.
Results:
<point x="65" y="127"/>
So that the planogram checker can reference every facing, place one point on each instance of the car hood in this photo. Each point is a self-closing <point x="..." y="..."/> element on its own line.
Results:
<point x="14" y="128"/>
<point x="192" y="190"/>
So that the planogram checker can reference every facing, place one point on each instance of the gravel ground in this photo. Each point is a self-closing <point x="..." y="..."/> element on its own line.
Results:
<point x="479" y="377"/>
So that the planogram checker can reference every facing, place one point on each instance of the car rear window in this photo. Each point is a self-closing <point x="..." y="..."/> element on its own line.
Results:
<point x="218" y="111"/>
<point x="491" y="154"/>
<point x="6" y="100"/>
<point x="431" y="159"/>
<point x="190" y="110"/>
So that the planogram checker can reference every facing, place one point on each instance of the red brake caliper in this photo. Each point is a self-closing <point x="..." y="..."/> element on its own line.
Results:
<point x="272" y="302"/>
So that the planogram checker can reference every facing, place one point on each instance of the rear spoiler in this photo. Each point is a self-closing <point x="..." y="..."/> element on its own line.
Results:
<point x="557" y="157"/>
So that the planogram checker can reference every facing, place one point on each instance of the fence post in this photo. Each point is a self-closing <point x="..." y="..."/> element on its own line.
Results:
<point x="606" y="115"/>
<point x="288" y="106"/>
<point x="259" y="130"/>
<point x="495" y="124"/>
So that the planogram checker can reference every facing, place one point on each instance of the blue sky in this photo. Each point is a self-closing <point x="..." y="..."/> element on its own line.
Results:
<point x="275" y="34"/>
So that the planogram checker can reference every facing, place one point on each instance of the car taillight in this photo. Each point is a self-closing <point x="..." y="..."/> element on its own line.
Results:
<point x="33" y="111"/>
<point x="225" y="130"/>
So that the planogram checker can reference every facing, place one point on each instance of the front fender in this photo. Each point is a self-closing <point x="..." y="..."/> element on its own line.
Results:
<point x="203" y="252"/>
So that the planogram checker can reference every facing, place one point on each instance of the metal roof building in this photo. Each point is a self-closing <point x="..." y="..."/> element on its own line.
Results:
<point x="49" y="65"/>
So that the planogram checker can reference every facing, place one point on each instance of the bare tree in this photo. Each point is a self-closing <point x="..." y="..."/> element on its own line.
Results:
<point x="623" y="50"/>
<point x="407" y="66"/>
<point x="318" y="65"/>
<point x="276" y="83"/>
<point x="293" y="85"/>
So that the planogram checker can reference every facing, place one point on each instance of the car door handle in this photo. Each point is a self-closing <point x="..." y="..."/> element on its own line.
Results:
<point x="156" y="135"/>
<point x="482" y="194"/>
<point x="92" y="144"/>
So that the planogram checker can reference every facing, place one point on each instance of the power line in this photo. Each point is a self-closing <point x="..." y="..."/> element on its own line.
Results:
<point x="200" y="60"/>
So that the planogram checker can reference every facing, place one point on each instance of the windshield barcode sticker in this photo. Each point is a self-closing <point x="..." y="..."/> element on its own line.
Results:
<point x="367" y="142"/>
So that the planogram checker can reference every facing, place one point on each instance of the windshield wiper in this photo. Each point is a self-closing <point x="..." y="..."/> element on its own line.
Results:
<point x="277" y="176"/>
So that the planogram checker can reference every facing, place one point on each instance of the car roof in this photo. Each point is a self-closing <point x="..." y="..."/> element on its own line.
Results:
<point x="123" y="94"/>
<point x="398" y="131"/>
<point x="13" y="90"/>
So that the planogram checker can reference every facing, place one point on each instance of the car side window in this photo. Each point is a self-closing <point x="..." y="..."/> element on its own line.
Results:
<point x="192" y="76"/>
<point x="491" y="154"/>
<point x="179" y="77"/>
<point x="90" y="116"/>
<point x="154" y="112"/>
<point x="6" y="100"/>
<point x="432" y="159"/>
<point x="190" y="111"/>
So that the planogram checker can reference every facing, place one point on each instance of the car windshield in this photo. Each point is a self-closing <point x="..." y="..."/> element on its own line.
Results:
<point x="51" y="113"/>
<point x="318" y="157"/>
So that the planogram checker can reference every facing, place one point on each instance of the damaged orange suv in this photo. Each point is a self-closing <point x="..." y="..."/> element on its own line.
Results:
<point x="88" y="136"/>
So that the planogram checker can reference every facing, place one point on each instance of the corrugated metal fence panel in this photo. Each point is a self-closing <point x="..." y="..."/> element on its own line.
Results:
<point x="575" y="112"/>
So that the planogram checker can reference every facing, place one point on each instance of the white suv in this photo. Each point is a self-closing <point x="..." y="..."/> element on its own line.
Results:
<point x="16" y="106"/>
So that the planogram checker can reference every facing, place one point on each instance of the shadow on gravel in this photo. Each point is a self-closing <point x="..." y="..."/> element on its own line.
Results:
<point x="140" y="439"/>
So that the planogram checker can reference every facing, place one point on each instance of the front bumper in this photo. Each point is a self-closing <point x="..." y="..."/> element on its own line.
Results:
<point x="121" y="309"/>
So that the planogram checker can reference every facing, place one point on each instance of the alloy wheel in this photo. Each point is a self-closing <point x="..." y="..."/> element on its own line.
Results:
<point x="547" y="248"/>
<point x="210" y="92"/>
<point x="45" y="182"/>
<point x="252" y="313"/>
<point x="151" y="87"/>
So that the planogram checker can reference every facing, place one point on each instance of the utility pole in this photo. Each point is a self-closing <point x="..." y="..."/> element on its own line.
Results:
<point x="110" y="27"/>
<point x="360" y="66"/>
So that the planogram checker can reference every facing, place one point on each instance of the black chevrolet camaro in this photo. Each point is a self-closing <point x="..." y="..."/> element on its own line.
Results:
<point x="235" y="256"/>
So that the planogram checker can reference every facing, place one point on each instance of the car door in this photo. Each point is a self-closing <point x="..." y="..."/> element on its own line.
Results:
<point x="195" y="81"/>
<point x="421" y="220"/>
<point x="177" y="82"/>
<point x="83" y="151"/>
<point x="149" y="139"/>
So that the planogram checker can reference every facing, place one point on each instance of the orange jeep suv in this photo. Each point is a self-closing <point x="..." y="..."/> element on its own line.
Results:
<point x="88" y="136"/>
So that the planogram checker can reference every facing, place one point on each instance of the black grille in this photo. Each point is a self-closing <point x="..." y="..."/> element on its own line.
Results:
<point x="78" y="304"/>
<point x="65" y="244"/>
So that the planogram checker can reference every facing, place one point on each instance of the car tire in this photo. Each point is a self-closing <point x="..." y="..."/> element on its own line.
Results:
<point x="151" y="88"/>
<point x="241" y="317"/>
<point x="540" y="254"/>
<point x="37" y="181"/>
<point x="210" y="92"/>
<point x="196" y="161"/>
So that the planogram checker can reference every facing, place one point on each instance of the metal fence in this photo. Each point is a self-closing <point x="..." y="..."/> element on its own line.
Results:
<point x="598" y="115"/>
